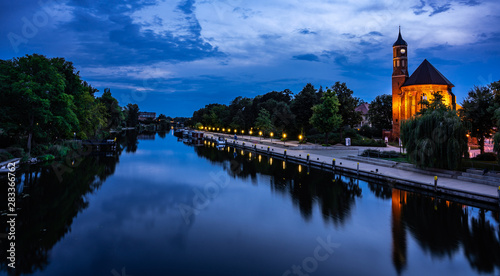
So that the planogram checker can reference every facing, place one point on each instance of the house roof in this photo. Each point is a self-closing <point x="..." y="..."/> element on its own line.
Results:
<point x="363" y="108"/>
<point x="400" y="40"/>
<point x="427" y="74"/>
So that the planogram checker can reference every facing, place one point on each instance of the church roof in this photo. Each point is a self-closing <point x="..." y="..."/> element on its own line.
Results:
<point x="427" y="74"/>
<point x="400" y="40"/>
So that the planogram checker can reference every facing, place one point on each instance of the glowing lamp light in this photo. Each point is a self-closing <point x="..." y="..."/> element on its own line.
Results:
<point x="284" y="135"/>
<point x="250" y="132"/>
<point x="260" y="133"/>
<point x="300" y="137"/>
<point x="272" y="134"/>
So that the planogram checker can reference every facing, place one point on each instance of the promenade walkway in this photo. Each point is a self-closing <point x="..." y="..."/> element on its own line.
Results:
<point x="341" y="153"/>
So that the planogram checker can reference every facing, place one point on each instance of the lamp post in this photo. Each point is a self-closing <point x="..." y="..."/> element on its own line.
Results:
<point x="74" y="135"/>
<point x="271" y="134"/>
<point x="284" y="138"/>
<point x="260" y="134"/>
<point x="300" y="138"/>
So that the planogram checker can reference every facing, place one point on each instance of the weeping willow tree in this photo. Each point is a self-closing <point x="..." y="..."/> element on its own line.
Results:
<point x="435" y="139"/>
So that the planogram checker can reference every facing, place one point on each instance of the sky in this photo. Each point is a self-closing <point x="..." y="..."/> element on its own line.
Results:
<point x="175" y="57"/>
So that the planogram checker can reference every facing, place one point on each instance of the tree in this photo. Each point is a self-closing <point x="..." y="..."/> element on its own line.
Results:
<point x="477" y="113"/>
<point x="348" y="104"/>
<point x="132" y="111"/>
<point x="302" y="104"/>
<point x="114" y="115"/>
<point x="263" y="121"/>
<point x="282" y="117"/>
<point x="380" y="112"/>
<point x="435" y="139"/>
<point x="33" y="94"/>
<point x="326" y="117"/>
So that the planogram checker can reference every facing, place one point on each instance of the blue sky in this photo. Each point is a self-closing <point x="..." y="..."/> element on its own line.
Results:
<point x="174" y="57"/>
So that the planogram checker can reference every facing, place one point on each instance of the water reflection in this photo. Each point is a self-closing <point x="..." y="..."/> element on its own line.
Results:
<point x="47" y="207"/>
<point x="48" y="203"/>
<point x="333" y="194"/>
<point x="411" y="223"/>
<point x="441" y="228"/>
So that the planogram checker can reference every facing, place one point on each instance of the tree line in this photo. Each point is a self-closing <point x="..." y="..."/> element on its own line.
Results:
<point x="309" y="113"/>
<point x="44" y="99"/>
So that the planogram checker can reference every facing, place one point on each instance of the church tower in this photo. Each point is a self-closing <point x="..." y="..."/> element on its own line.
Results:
<point x="399" y="76"/>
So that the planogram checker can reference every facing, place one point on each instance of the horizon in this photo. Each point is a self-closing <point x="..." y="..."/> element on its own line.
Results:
<point x="175" y="58"/>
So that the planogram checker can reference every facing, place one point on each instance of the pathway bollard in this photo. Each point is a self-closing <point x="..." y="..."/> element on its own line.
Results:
<point x="267" y="149"/>
<point x="285" y="154"/>
<point x="333" y="165"/>
<point x="308" y="158"/>
<point x="435" y="183"/>
<point x="358" y="169"/>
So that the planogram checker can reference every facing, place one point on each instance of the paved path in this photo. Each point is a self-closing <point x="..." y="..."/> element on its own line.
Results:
<point x="340" y="152"/>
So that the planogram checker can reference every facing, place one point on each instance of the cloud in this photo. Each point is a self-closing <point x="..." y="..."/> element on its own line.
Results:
<point x="213" y="51"/>
<point x="306" y="31"/>
<point x="439" y="9"/>
<point x="308" y="57"/>
<point x="109" y="34"/>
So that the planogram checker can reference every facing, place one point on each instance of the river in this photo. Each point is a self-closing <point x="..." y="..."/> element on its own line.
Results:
<point x="162" y="207"/>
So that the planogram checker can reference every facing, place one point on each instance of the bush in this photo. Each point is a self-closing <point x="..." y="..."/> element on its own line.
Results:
<point x="369" y="132"/>
<point x="16" y="152"/>
<point x="5" y="155"/>
<point x="487" y="156"/>
<point x="368" y="143"/>
<point x="46" y="157"/>
<point x="39" y="150"/>
<point x="58" y="151"/>
<point x="381" y="154"/>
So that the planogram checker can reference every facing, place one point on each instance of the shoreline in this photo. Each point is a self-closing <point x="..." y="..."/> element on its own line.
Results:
<point x="447" y="188"/>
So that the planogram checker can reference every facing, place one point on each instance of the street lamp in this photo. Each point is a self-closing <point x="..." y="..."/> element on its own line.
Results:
<point x="250" y="132"/>
<point x="284" y="138"/>
<point x="74" y="135"/>
<point x="242" y="132"/>
<point x="300" y="137"/>
<point x="260" y="134"/>
<point x="271" y="134"/>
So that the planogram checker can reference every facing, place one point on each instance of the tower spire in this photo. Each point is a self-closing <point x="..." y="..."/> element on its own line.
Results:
<point x="400" y="40"/>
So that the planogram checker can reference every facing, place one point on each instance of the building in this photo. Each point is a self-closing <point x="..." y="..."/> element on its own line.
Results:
<point x="363" y="109"/>
<point x="409" y="91"/>
<point x="145" y="115"/>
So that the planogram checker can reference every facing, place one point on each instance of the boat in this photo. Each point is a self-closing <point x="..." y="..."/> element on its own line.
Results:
<point x="5" y="168"/>
<point x="220" y="141"/>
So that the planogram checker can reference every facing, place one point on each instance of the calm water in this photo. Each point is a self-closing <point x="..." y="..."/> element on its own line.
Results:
<point x="165" y="208"/>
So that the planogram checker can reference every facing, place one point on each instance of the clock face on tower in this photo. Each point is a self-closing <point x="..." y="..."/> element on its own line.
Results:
<point x="403" y="51"/>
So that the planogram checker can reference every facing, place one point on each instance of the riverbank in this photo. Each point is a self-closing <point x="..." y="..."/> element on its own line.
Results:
<point x="337" y="159"/>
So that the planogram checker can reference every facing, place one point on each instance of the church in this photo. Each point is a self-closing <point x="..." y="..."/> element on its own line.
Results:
<point x="409" y="91"/>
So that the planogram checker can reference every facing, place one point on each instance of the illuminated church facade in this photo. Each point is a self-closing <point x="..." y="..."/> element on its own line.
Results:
<point x="409" y="91"/>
